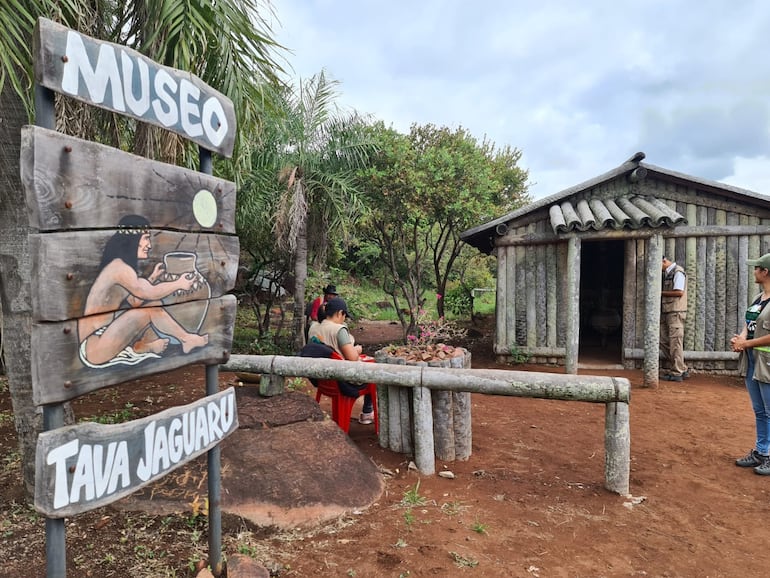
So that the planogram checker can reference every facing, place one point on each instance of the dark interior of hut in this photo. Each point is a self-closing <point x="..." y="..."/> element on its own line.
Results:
<point x="601" y="302"/>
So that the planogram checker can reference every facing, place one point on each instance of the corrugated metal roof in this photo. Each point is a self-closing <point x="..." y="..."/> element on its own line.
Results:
<point x="625" y="212"/>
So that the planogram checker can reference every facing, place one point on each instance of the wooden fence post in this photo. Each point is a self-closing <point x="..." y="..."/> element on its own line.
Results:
<point x="423" y="431"/>
<point x="617" y="447"/>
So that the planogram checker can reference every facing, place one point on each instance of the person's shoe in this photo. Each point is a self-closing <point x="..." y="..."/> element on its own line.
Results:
<point x="763" y="469"/>
<point x="751" y="460"/>
<point x="673" y="377"/>
<point x="686" y="374"/>
<point x="368" y="419"/>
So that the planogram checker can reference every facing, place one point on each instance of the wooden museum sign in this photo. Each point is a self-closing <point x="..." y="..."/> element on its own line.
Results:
<point x="131" y="263"/>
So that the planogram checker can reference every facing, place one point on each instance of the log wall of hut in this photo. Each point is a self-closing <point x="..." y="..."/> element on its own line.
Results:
<point x="713" y="247"/>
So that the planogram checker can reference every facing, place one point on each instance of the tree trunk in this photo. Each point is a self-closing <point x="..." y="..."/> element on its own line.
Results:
<point x="300" y="274"/>
<point x="15" y="282"/>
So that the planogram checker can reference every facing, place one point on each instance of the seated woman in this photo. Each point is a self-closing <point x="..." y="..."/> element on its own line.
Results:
<point x="315" y="325"/>
<point x="333" y="332"/>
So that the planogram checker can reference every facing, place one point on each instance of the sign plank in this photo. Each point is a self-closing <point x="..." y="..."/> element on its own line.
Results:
<point x="122" y="80"/>
<point x="73" y="279"/>
<point x="70" y="358"/>
<point x="72" y="183"/>
<point x="89" y="465"/>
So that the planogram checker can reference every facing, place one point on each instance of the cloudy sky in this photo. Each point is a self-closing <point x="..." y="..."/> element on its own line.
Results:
<point x="578" y="87"/>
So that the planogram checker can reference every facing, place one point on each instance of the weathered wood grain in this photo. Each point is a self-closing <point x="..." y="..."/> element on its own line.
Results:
<point x="720" y="281"/>
<point x="520" y="327"/>
<point x="691" y="268"/>
<point x="405" y="405"/>
<point x="505" y="298"/>
<point x="541" y="280"/>
<point x="508" y="320"/>
<point x="629" y="296"/>
<point x="443" y="425"/>
<point x="651" y="325"/>
<point x="395" y="435"/>
<point x="589" y="388"/>
<point x="72" y="183"/>
<point x="709" y="263"/>
<point x="423" y="431"/>
<point x="562" y="265"/>
<point x="122" y="80"/>
<point x="617" y="447"/>
<point x="641" y="263"/>
<point x="67" y="264"/>
<point x="59" y="375"/>
<point x="573" y="305"/>
<point x="89" y="465"/>
<point x="680" y="232"/>
<point x="383" y="403"/>
<point x="530" y="276"/>
<point x="462" y="424"/>
<point x="551" y="290"/>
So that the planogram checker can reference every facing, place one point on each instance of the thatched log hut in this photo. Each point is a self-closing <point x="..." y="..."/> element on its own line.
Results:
<point x="579" y="272"/>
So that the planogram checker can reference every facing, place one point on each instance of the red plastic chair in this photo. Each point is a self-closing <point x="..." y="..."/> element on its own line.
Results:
<point x="342" y="405"/>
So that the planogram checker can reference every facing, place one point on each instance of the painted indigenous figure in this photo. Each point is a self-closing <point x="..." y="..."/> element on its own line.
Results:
<point x="110" y="335"/>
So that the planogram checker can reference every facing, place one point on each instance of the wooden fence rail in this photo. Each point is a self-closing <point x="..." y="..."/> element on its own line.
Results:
<point x="614" y="392"/>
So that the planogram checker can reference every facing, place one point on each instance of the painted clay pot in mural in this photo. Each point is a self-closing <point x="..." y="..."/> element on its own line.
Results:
<point x="180" y="263"/>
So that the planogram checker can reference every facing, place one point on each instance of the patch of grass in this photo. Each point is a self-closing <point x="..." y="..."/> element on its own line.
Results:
<point x="119" y="416"/>
<point x="452" y="508"/>
<point x="479" y="528"/>
<point x="247" y="550"/>
<point x="296" y="384"/>
<point x="412" y="496"/>
<point x="517" y="355"/>
<point x="484" y="303"/>
<point x="367" y="301"/>
<point x="409" y="518"/>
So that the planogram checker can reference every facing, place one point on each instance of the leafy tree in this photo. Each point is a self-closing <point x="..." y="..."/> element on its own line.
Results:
<point x="462" y="182"/>
<point x="308" y="162"/>
<point x="227" y="43"/>
<point x="395" y="222"/>
<point x="425" y="189"/>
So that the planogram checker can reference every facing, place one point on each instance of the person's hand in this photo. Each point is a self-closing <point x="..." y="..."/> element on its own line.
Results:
<point x="157" y="271"/>
<point x="359" y="349"/>
<point x="738" y="343"/>
<point x="186" y="282"/>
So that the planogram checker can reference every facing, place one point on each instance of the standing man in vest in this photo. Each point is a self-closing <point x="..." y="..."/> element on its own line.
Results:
<point x="673" y="311"/>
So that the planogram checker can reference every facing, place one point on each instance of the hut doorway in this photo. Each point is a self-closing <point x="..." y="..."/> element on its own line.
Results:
<point x="601" y="303"/>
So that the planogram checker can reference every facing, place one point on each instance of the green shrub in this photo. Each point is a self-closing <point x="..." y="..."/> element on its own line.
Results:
<point x="459" y="301"/>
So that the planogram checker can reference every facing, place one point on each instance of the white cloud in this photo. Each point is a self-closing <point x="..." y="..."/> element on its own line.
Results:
<point x="577" y="87"/>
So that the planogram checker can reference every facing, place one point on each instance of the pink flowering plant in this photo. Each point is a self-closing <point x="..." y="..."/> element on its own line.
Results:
<point x="432" y="332"/>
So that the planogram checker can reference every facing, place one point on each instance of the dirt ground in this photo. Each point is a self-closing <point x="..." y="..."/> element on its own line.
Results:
<point x="529" y="502"/>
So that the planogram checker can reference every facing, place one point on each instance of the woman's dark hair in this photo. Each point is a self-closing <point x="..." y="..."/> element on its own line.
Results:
<point x="124" y="243"/>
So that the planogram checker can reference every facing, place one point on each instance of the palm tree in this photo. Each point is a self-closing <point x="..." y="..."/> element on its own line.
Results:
<point x="227" y="43"/>
<point x="310" y="165"/>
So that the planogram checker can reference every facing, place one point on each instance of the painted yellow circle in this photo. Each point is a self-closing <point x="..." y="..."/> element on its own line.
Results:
<point x="205" y="208"/>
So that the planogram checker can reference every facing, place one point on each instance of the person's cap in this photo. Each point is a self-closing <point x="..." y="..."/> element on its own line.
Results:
<point x="330" y="290"/>
<point x="763" y="261"/>
<point x="336" y="304"/>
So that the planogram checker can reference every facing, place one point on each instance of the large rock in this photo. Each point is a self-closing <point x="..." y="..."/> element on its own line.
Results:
<point x="286" y="466"/>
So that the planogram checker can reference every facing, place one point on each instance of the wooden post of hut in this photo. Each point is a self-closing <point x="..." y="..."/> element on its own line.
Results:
<point x="573" y="305"/>
<point x="652" y="310"/>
